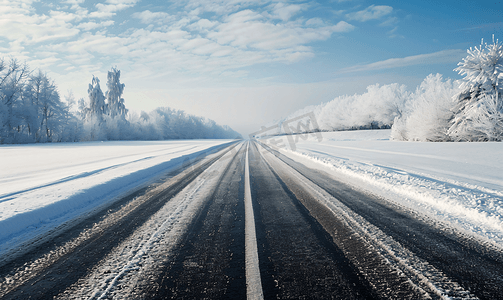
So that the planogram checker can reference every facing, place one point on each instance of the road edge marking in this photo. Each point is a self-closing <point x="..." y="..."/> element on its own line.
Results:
<point x="253" y="280"/>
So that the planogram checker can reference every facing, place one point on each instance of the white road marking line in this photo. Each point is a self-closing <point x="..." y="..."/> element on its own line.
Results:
<point x="253" y="280"/>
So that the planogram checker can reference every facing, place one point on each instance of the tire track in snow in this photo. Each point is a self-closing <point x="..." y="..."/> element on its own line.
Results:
<point x="119" y="274"/>
<point x="142" y="249"/>
<point x="209" y="261"/>
<point x="298" y="258"/>
<point x="424" y="276"/>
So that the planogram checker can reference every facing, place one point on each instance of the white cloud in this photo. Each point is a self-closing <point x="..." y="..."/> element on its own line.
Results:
<point x="390" y="22"/>
<point x="64" y="17"/>
<point x="203" y="25"/>
<point x="74" y="1"/>
<point x="122" y="2"/>
<point x="285" y="12"/>
<point x="221" y="7"/>
<point x="104" y="11"/>
<point x="30" y="28"/>
<point x="392" y="33"/>
<point x="441" y="57"/>
<point x="79" y="10"/>
<point x="372" y="12"/>
<point x="97" y="43"/>
<point x="93" y="25"/>
<point x="148" y="17"/>
<point x="249" y="30"/>
<point x="339" y="13"/>
<point x="79" y="58"/>
<point x="195" y="43"/>
<point x="43" y="63"/>
<point x="109" y="10"/>
<point x="343" y="27"/>
<point x="315" y="22"/>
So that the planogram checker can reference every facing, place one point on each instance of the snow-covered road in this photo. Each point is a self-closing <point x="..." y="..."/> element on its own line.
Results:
<point x="356" y="216"/>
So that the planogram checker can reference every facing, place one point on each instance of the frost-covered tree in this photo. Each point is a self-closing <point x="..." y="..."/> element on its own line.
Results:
<point x="374" y="109"/>
<point x="115" y="103"/>
<point x="428" y="112"/>
<point x="82" y="109"/>
<point x="105" y="118"/>
<point x="12" y="77"/>
<point x="97" y="105"/>
<point x="32" y="98"/>
<point x="165" y="123"/>
<point x="70" y="100"/>
<point x="117" y="126"/>
<point x="74" y="127"/>
<point x="94" y="121"/>
<point x="47" y="115"/>
<point x="478" y="113"/>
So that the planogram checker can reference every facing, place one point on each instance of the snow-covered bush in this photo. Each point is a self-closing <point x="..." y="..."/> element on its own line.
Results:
<point x="478" y="114"/>
<point x="399" y="129"/>
<point x="377" y="108"/>
<point x="165" y="123"/>
<point x="428" y="111"/>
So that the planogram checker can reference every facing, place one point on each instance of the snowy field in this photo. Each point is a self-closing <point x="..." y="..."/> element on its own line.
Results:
<point x="45" y="185"/>
<point x="456" y="183"/>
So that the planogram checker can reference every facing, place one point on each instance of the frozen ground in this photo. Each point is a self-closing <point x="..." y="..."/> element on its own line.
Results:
<point x="45" y="185"/>
<point x="457" y="183"/>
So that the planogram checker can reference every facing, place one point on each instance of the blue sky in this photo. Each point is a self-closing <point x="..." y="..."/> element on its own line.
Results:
<point x="243" y="63"/>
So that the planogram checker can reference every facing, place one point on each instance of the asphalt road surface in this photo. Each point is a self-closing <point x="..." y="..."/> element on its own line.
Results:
<point x="247" y="222"/>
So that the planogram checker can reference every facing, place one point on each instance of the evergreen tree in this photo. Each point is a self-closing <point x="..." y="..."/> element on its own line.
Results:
<point x="478" y="113"/>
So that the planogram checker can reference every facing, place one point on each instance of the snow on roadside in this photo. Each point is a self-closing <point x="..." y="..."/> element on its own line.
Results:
<point x="457" y="183"/>
<point x="44" y="186"/>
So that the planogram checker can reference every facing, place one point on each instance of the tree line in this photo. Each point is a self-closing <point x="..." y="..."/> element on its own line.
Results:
<point x="439" y="110"/>
<point x="32" y="111"/>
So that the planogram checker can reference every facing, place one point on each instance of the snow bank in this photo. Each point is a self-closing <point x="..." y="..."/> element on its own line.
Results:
<point x="45" y="185"/>
<point x="458" y="183"/>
